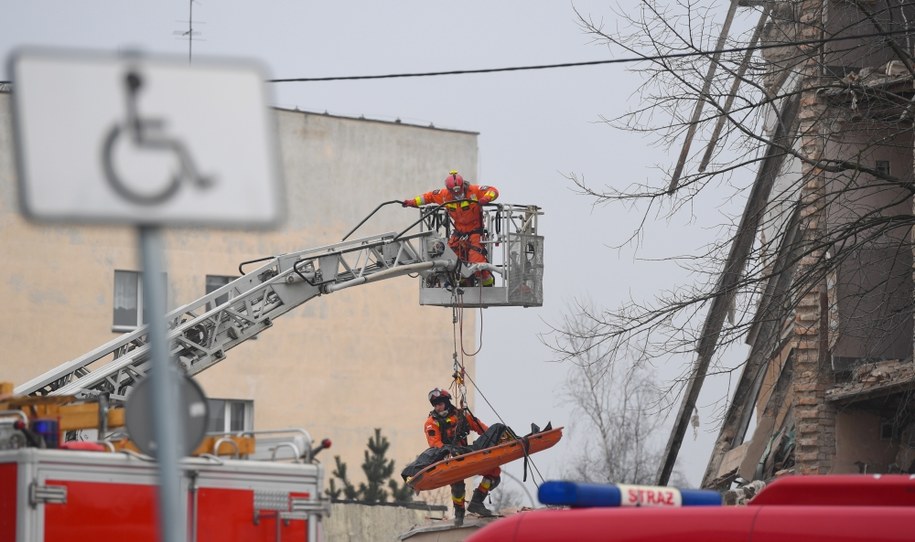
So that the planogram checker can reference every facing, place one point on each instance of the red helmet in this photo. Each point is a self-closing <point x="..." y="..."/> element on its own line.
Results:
<point x="454" y="182"/>
<point x="439" y="395"/>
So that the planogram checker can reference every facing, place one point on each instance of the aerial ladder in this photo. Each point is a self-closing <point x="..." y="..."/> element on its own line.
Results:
<point x="203" y="331"/>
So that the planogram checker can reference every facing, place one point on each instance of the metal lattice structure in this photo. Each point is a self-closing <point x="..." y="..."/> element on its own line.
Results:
<point x="200" y="333"/>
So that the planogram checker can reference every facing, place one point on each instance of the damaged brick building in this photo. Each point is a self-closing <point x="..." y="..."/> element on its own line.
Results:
<point x="823" y="251"/>
<point x="829" y="375"/>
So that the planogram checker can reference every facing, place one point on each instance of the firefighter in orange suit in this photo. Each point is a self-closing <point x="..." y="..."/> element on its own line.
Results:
<point x="448" y="427"/>
<point x="463" y="202"/>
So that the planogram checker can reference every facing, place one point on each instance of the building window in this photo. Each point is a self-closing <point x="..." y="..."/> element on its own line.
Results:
<point x="128" y="300"/>
<point x="215" y="282"/>
<point x="883" y="167"/>
<point x="230" y="416"/>
<point x="887" y="430"/>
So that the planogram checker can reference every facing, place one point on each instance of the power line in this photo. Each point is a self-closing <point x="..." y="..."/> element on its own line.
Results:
<point x="629" y="60"/>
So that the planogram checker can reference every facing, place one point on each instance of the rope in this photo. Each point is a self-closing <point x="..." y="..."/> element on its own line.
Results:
<point x="460" y="375"/>
<point x="502" y="421"/>
<point x="480" y="345"/>
<point x="457" y="368"/>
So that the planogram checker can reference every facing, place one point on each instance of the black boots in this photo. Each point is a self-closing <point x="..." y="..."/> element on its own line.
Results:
<point x="476" y="504"/>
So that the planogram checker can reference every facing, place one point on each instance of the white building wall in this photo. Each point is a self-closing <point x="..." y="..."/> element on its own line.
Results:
<point x="338" y="366"/>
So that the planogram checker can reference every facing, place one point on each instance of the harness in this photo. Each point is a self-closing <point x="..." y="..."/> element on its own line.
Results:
<point x="464" y="234"/>
<point x="464" y="244"/>
<point x="461" y="429"/>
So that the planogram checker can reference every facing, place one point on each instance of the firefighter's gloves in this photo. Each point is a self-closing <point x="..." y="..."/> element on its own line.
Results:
<point x="409" y="203"/>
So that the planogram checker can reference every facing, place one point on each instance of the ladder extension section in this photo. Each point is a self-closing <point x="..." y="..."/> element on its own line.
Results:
<point x="200" y="333"/>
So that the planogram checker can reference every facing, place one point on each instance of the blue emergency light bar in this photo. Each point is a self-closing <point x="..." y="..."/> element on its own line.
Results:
<point x="581" y="495"/>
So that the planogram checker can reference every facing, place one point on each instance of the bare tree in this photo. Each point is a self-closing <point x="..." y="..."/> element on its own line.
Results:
<point x="802" y="116"/>
<point x="505" y="499"/>
<point x="761" y="132"/>
<point x="618" y="420"/>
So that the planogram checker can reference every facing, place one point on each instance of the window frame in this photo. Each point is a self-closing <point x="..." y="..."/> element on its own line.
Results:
<point x="229" y="408"/>
<point x="140" y="306"/>
<point x="882" y="167"/>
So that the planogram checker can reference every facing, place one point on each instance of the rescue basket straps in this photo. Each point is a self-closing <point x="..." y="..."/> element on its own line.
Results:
<point x="525" y="441"/>
<point x="525" y="448"/>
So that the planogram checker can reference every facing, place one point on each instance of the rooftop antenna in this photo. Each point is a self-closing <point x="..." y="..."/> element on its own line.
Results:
<point x="190" y="33"/>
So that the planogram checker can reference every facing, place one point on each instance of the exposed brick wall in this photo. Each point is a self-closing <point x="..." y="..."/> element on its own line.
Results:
<point x="814" y="418"/>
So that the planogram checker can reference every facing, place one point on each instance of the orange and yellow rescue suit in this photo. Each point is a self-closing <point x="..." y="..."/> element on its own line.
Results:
<point x="467" y="215"/>
<point x="445" y="429"/>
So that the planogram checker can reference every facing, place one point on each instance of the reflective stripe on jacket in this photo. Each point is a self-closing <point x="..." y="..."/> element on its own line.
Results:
<point x="467" y="216"/>
<point x="441" y="431"/>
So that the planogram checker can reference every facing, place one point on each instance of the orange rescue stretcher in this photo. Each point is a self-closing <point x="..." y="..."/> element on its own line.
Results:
<point x="454" y="469"/>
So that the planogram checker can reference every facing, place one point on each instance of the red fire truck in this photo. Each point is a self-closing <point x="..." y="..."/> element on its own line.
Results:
<point x="87" y="496"/>
<point x="829" y="508"/>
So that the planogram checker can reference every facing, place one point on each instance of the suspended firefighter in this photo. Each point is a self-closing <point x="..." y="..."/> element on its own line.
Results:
<point x="463" y="202"/>
<point x="448" y="426"/>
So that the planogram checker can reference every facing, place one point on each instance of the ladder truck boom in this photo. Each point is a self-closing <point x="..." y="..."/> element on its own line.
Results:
<point x="201" y="332"/>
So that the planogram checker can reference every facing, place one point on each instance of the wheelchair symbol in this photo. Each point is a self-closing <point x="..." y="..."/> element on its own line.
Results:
<point x="147" y="134"/>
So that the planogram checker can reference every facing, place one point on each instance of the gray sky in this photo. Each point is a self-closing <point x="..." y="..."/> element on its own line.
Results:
<point x="535" y="127"/>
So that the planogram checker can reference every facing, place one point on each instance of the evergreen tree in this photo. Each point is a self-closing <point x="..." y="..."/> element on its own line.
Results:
<point x="400" y="492"/>
<point x="333" y="491"/>
<point x="349" y="490"/>
<point x="378" y="471"/>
